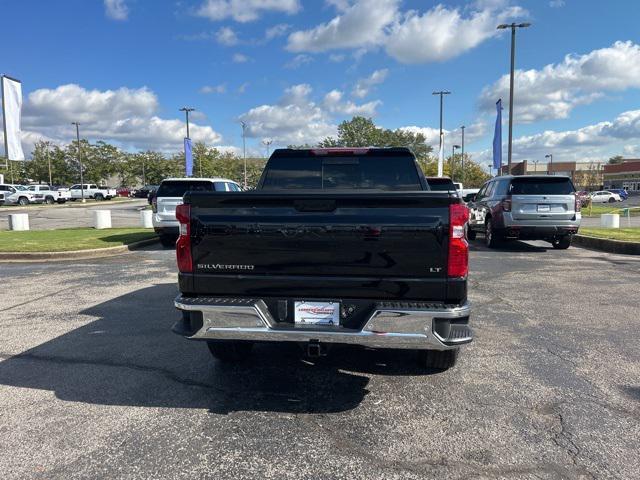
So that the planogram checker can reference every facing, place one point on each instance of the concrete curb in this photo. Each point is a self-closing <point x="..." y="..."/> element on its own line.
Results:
<point x="74" y="254"/>
<point x="607" y="245"/>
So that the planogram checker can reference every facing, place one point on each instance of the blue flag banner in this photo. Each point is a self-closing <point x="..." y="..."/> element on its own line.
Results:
<point x="497" y="139"/>
<point x="188" y="157"/>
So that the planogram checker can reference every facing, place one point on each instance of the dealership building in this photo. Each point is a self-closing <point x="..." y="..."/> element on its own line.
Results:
<point x="623" y="175"/>
<point x="585" y="175"/>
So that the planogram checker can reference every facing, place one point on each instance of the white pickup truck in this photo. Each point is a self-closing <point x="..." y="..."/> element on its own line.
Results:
<point x="91" y="190"/>
<point x="49" y="195"/>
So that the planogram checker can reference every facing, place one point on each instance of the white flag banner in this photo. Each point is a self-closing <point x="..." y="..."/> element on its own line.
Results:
<point x="441" y="156"/>
<point x="11" y="113"/>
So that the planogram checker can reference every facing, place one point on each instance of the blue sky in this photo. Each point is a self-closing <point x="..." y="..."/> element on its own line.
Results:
<point x="293" y="69"/>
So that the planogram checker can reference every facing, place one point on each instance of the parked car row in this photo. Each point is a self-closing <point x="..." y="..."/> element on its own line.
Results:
<point x="11" y="194"/>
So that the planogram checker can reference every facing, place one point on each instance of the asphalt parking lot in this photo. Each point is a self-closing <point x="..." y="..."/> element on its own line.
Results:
<point x="74" y="215"/>
<point x="94" y="385"/>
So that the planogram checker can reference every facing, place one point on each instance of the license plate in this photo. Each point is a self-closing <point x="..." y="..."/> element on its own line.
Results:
<point x="544" y="208"/>
<point x="317" y="313"/>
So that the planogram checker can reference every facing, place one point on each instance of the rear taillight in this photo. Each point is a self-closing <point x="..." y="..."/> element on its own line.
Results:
<point x="183" y="245"/>
<point x="578" y="203"/>
<point x="458" y="261"/>
<point x="154" y="204"/>
<point x="506" y="204"/>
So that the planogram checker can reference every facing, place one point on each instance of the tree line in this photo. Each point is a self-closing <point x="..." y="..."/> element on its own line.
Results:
<point x="103" y="162"/>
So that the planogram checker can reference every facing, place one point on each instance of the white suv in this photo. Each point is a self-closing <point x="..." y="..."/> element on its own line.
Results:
<point x="169" y="196"/>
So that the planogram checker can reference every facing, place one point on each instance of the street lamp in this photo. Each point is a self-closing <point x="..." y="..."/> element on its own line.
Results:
<point x="550" y="166"/>
<point x="47" y="145"/>
<point x="513" y="27"/>
<point x="244" y="151"/>
<point x="267" y="143"/>
<point x="535" y="166"/>
<point x="80" y="161"/>
<point x="441" y="93"/>
<point x="186" y="111"/>
<point x="453" y="156"/>
<point x="462" y="152"/>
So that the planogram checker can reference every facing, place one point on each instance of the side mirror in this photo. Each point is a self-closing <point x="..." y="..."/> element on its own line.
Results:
<point x="470" y="198"/>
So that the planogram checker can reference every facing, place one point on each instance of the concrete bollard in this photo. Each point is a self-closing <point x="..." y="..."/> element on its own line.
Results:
<point x="19" y="221"/>
<point x="146" y="218"/>
<point x="610" y="220"/>
<point x="101" y="219"/>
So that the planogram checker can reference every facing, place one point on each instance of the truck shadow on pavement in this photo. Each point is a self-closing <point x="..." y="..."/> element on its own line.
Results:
<point x="128" y="356"/>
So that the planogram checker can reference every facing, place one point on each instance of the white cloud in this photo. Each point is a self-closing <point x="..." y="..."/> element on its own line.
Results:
<point x="334" y="104"/>
<point x="298" y="61"/>
<point x="364" y="85"/>
<point x="240" y="58"/>
<point x="245" y="10"/>
<point x="116" y="9"/>
<point x="297" y="119"/>
<point x="226" y="36"/>
<point x="361" y="24"/>
<point x="555" y="90"/>
<point x="207" y="89"/>
<point x="556" y="3"/>
<point x="243" y="88"/>
<point x="336" y="57"/>
<point x="124" y="116"/>
<point x="442" y="33"/>
<point x="411" y="36"/>
<point x="472" y="133"/>
<point x="276" y="31"/>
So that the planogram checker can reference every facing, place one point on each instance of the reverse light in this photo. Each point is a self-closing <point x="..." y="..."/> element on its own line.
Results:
<point x="154" y="204"/>
<point x="458" y="259"/>
<point x="578" y="203"/>
<point x="183" y="245"/>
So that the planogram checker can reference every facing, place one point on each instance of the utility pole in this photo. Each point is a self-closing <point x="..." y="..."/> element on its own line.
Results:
<point x="513" y="27"/>
<point x="186" y="111"/>
<point x="80" y="161"/>
<point x="550" y="166"/>
<point x="244" y="151"/>
<point x="46" y="144"/>
<point x="453" y="159"/>
<point x="535" y="166"/>
<point x="441" y="159"/>
<point x="462" y="150"/>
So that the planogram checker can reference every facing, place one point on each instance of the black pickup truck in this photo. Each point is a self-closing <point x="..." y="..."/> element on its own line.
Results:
<point x="335" y="246"/>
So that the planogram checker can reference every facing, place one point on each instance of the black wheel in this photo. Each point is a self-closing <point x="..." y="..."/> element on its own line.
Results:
<point x="561" y="243"/>
<point x="471" y="234"/>
<point x="229" y="350"/>
<point x="73" y="199"/>
<point x="61" y="201"/>
<point x="49" y="201"/>
<point x="99" y="197"/>
<point x="168" y="241"/>
<point x="611" y="200"/>
<point x="23" y="201"/>
<point x="438" y="360"/>
<point x="490" y="236"/>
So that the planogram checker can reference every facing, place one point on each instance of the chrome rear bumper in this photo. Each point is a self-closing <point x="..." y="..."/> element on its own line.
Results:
<point x="411" y="325"/>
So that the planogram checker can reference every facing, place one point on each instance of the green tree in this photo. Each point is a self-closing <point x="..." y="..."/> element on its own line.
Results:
<point x="362" y="132"/>
<point x="616" y="159"/>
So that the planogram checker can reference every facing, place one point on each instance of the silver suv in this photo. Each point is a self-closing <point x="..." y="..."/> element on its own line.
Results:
<point x="169" y="196"/>
<point x="526" y="208"/>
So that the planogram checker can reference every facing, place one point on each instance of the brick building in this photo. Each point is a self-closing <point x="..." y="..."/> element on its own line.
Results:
<point x="623" y="175"/>
<point x="585" y="175"/>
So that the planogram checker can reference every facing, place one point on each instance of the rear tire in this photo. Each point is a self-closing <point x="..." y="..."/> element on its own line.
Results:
<point x="168" y="241"/>
<point x="490" y="237"/>
<point x="99" y="197"/>
<point x="49" y="201"/>
<point x="471" y="234"/>
<point x="612" y="200"/>
<point x="561" y="243"/>
<point x="230" y="351"/>
<point x="439" y="360"/>
<point x="23" y="201"/>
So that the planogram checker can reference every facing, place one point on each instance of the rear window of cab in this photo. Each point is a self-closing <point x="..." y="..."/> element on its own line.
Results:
<point x="177" y="188"/>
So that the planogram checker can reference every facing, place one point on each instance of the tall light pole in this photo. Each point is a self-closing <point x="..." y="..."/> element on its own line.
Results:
<point x="453" y="157"/>
<point x="80" y="161"/>
<point x="441" y="93"/>
<point x="46" y="145"/>
<point x="186" y="111"/>
<point x="267" y="143"/>
<point x="550" y="166"/>
<point x="244" y="151"/>
<point x="535" y="166"/>
<point x="513" y="27"/>
<point x="462" y="152"/>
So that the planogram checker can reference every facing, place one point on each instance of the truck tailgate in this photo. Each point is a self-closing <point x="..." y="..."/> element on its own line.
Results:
<point x="320" y="245"/>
